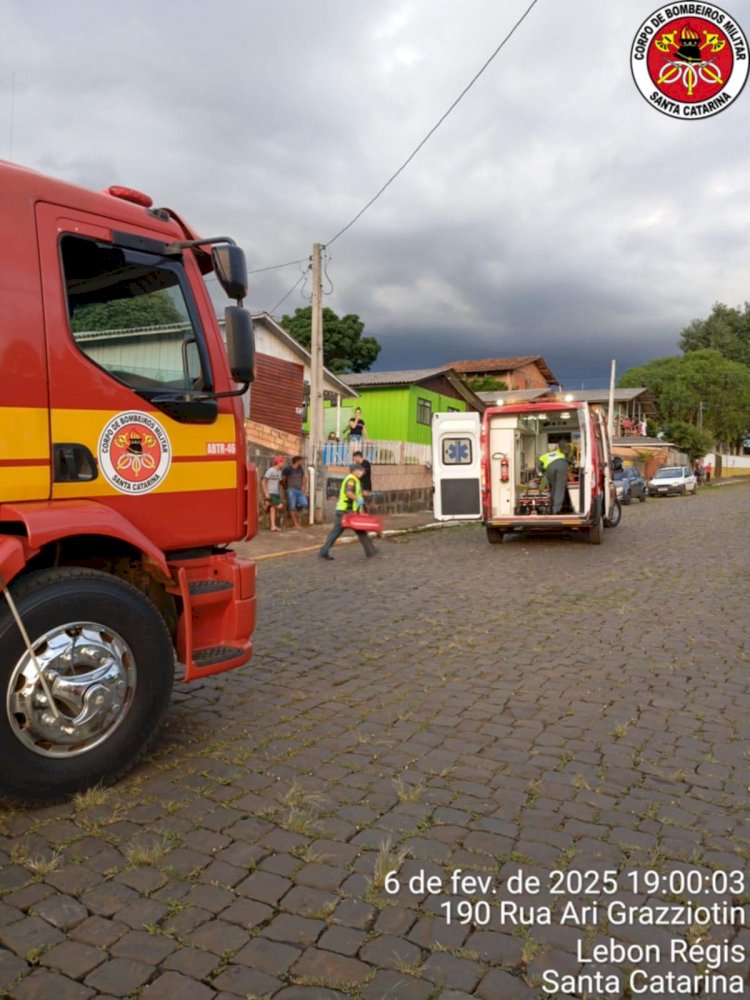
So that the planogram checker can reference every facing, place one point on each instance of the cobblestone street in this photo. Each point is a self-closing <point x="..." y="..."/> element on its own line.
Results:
<point x="507" y="711"/>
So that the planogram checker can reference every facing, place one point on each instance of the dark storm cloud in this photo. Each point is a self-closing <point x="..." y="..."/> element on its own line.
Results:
<point x="553" y="212"/>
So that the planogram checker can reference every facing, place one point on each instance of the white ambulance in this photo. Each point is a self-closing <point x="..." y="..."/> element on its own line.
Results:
<point x="486" y="467"/>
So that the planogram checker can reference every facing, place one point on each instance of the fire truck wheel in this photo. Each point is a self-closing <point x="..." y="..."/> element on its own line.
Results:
<point x="495" y="535"/>
<point x="85" y="699"/>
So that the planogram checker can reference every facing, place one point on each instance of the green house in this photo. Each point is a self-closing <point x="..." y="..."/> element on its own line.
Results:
<point x="398" y="406"/>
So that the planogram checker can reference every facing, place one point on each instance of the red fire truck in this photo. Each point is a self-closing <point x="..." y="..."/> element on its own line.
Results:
<point x="123" y="476"/>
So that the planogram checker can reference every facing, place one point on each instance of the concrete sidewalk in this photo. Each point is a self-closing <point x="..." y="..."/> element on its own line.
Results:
<point x="273" y="545"/>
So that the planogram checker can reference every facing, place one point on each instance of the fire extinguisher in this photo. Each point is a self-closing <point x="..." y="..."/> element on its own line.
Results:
<point x="504" y="469"/>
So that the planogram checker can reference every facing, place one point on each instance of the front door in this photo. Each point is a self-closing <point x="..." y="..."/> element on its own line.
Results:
<point x="456" y="466"/>
<point x="124" y="333"/>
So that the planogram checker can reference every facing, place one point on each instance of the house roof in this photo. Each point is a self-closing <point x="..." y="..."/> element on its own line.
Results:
<point x="582" y="396"/>
<point x="482" y="365"/>
<point x="512" y="396"/>
<point x="641" y="442"/>
<point x="640" y="393"/>
<point x="415" y="376"/>
<point x="368" y="379"/>
<point x="332" y="383"/>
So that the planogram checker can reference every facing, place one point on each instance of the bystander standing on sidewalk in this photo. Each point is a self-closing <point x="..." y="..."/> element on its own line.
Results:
<point x="271" y="486"/>
<point x="366" y="481"/>
<point x="294" y="478"/>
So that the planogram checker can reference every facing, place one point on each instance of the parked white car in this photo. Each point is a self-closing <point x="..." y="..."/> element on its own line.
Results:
<point x="671" y="480"/>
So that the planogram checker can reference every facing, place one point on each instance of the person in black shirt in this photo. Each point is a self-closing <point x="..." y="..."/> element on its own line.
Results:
<point x="356" y="428"/>
<point x="366" y="480"/>
<point x="295" y="483"/>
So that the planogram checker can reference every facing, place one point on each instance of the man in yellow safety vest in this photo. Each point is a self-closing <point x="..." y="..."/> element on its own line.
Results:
<point x="350" y="499"/>
<point x="554" y="467"/>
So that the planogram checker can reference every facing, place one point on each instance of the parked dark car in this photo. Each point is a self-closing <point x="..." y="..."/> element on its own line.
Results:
<point x="633" y="484"/>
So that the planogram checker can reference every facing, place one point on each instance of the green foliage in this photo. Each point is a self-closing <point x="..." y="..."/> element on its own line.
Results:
<point x="485" y="383"/>
<point x="689" y="439"/>
<point x="700" y="387"/>
<point x="726" y="330"/>
<point x="344" y="347"/>
<point x="156" y="309"/>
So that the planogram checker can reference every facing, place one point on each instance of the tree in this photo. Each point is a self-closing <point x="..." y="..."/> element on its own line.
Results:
<point x="689" y="439"/>
<point x="700" y="388"/>
<point x="156" y="309"/>
<point x="485" y="383"/>
<point x="726" y="330"/>
<point x="344" y="347"/>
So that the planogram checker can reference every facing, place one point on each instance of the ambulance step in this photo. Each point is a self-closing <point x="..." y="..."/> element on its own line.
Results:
<point x="211" y="655"/>
<point x="197" y="587"/>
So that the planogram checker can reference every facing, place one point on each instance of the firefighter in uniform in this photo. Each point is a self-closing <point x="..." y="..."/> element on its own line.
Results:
<point x="350" y="499"/>
<point x="554" y="467"/>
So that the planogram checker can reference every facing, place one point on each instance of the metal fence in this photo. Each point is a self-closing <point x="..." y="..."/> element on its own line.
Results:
<point x="332" y="459"/>
<point x="335" y="453"/>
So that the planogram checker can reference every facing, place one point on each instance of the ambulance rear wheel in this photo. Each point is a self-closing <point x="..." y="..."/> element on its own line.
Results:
<point x="85" y="699"/>
<point x="615" y="515"/>
<point x="595" y="533"/>
<point x="495" y="535"/>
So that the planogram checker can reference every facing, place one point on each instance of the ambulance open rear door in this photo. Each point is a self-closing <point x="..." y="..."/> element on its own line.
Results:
<point x="456" y="466"/>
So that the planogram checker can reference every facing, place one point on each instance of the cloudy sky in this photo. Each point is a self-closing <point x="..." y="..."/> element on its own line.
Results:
<point x="553" y="212"/>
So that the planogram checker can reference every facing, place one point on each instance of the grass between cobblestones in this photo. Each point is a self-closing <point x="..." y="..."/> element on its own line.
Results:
<point x="537" y="706"/>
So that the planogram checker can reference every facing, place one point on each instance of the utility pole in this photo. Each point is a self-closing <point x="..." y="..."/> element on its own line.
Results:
<point x="316" y="388"/>
<point x="611" y="413"/>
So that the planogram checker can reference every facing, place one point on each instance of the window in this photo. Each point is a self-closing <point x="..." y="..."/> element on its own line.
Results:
<point x="130" y="314"/>
<point x="424" y="411"/>
<point x="457" y="451"/>
<point x="452" y="409"/>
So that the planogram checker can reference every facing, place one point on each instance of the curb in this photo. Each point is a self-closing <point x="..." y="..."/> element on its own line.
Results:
<point x="387" y="534"/>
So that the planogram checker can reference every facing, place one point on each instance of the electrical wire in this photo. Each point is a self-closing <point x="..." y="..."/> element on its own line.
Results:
<point x="285" y="297"/>
<point x="414" y="152"/>
<point x="436" y="126"/>
<point x="276" y="267"/>
<point x="326" y="259"/>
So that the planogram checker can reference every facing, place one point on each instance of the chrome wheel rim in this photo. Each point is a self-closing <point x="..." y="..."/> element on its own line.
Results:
<point x="90" y="674"/>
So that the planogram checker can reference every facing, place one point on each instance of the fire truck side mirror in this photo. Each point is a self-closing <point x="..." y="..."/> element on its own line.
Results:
<point x="231" y="270"/>
<point x="238" y="326"/>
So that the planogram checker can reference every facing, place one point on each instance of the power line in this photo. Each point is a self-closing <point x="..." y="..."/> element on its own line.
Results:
<point x="276" y="267"/>
<point x="411" y="156"/>
<point x="436" y="126"/>
<point x="296" y="283"/>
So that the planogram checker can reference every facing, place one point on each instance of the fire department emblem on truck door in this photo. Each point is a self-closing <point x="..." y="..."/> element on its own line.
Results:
<point x="134" y="452"/>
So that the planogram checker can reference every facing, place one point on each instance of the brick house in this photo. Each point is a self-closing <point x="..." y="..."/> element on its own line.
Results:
<point x="275" y="410"/>
<point x="529" y="371"/>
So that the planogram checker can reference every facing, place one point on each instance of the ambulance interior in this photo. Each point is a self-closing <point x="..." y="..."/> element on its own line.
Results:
<point x="517" y="441"/>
